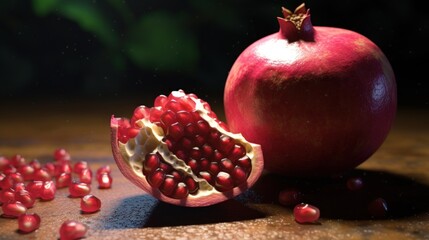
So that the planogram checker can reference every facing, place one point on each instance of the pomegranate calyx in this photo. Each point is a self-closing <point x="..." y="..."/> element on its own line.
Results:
<point x="296" y="25"/>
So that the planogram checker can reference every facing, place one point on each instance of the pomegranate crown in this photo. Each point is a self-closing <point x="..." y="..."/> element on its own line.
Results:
<point x="296" y="25"/>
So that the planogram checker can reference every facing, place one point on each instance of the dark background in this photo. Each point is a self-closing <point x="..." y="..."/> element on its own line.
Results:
<point x="120" y="48"/>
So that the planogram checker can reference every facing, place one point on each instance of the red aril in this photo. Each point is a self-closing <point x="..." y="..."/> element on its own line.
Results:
<point x="61" y="155"/>
<point x="35" y="188"/>
<point x="13" y="209"/>
<point x="103" y="169"/>
<point x="25" y="198"/>
<point x="63" y="180"/>
<point x="78" y="189"/>
<point x="27" y="172"/>
<point x="85" y="176"/>
<point x="378" y="208"/>
<point x="290" y="197"/>
<point x="7" y="195"/>
<point x="79" y="166"/>
<point x="72" y="230"/>
<point x="42" y="175"/>
<point x="306" y="213"/>
<point x="3" y="163"/>
<point x="90" y="203"/>
<point x="28" y="222"/>
<point x="17" y="160"/>
<point x="179" y="152"/>
<point x="319" y="100"/>
<point x="35" y="164"/>
<point x="104" y="180"/>
<point x="48" y="191"/>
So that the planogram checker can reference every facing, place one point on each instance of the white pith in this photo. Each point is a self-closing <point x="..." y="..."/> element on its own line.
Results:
<point x="149" y="140"/>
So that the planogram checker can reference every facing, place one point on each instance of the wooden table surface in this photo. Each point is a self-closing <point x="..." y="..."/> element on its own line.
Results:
<point x="398" y="172"/>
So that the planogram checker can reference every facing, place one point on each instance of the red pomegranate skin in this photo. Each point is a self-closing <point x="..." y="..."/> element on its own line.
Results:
<point x="318" y="105"/>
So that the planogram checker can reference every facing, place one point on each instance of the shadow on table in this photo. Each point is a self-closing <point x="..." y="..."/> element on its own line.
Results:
<point x="146" y="211"/>
<point x="403" y="196"/>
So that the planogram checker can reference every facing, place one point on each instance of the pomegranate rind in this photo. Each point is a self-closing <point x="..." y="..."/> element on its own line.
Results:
<point x="190" y="201"/>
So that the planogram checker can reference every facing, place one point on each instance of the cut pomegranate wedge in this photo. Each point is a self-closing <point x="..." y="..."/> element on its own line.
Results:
<point x="179" y="152"/>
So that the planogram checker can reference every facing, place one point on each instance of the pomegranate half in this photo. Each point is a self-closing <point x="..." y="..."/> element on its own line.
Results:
<point x="319" y="100"/>
<point x="179" y="152"/>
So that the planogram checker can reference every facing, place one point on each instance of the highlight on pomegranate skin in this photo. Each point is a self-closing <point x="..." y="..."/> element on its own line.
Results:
<point x="181" y="153"/>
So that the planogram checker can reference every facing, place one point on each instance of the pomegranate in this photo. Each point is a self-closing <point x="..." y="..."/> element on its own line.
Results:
<point x="319" y="100"/>
<point x="181" y="153"/>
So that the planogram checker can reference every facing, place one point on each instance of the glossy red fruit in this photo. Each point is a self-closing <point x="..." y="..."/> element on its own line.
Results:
<point x="72" y="230"/>
<point x="78" y="189"/>
<point x="35" y="188"/>
<point x="79" y="166"/>
<point x="104" y="180"/>
<point x="319" y="100"/>
<point x="28" y="222"/>
<point x="90" y="203"/>
<point x="13" y="209"/>
<point x="48" y="191"/>
<point x="103" y="169"/>
<point x="25" y="198"/>
<point x="306" y="213"/>
<point x="378" y="208"/>
<point x="179" y="152"/>
<point x="290" y="197"/>
<point x="61" y="155"/>
<point x="85" y="176"/>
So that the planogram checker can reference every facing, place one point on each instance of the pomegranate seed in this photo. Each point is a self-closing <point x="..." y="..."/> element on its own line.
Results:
<point x="151" y="163"/>
<point x="306" y="213"/>
<point x="226" y="165"/>
<point x="85" y="176"/>
<point x="156" y="178"/>
<point x="3" y="163"/>
<point x="35" y="188"/>
<point x="35" y="164"/>
<point x="71" y="230"/>
<point x="19" y="186"/>
<point x="77" y="189"/>
<point x="191" y="130"/>
<point x="61" y="154"/>
<point x="62" y="167"/>
<point x="224" y="181"/>
<point x="168" y="186"/>
<point x="79" y="166"/>
<point x="239" y="175"/>
<point x="8" y="169"/>
<point x="13" y="209"/>
<point x="290" y="197"/>
<point x="17" y="161"/>
<point x="237" y="152"/>
<point x="28" y="222"/>
<point x="27" y="172"/>
<point x="155" y="114"/>
<point x="184" y="117"/>
<point x="226" y="144"/>
<point x="191" y="184"/>
<point x="25" y="198"/>
<point x="168" y="118"/>
<point x="104" y="180"/>
<point x="103" y="169"/>
<point x="175" y="131"/>
<point x="181" y="191"/>
<point x="50" y="168"/>
<point x="63" y="180"/>
<point x="7" y="195"/>
<point x="354" y="183"/>
<point x="48" y="191"/>
<point x="160" y="101"/>
<point x="378" y="208"/>
<point x="90" y="203"/>
<point x="42" y="175"/>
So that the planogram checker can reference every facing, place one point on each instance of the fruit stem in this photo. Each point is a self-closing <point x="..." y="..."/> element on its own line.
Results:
<point x="296" y="25"/>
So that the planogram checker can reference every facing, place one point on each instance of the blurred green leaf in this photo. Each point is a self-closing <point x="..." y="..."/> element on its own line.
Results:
<point x="161" y="41"/>
<point x="89" y="18"/>
<point x="44" y="7"/>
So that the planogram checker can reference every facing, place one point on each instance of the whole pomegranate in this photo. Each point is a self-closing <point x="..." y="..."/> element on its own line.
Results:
<point x="179" y="152"/>
<point x="319" y="100"/>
